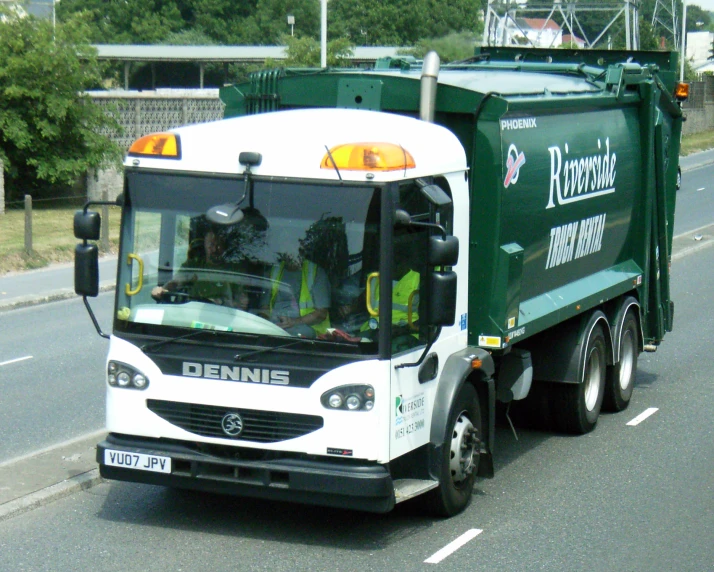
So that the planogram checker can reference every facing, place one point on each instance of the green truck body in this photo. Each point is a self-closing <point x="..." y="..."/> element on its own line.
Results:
<point x="589" y="214"/>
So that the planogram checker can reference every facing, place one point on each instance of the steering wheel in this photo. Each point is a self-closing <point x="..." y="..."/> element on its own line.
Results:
<point x="179" y="296"/>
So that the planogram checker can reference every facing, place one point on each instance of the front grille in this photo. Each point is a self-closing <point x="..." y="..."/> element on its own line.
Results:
<point x="259" y="426"/>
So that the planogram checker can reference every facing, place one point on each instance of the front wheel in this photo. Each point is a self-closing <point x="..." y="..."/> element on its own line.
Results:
<point x="459" y="455"/>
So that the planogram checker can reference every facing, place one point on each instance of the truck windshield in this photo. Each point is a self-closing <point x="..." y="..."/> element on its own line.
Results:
<point x="295" y="266"/>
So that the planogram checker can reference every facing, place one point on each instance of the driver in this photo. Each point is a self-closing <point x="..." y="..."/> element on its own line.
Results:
<point x="187" y="280"/>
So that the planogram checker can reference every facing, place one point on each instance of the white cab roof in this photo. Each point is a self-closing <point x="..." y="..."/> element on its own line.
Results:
<point x="293" y="144"/>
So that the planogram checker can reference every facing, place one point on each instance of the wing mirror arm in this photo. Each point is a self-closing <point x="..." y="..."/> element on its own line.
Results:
<point x="403" y="218"/>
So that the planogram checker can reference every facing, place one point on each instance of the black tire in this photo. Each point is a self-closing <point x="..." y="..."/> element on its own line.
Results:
<point x="454" y="492"/>
<point x="621" y="376"/>
<point x="577" y="406"/>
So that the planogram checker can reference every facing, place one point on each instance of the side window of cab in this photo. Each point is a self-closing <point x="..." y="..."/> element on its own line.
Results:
<point x="409" y="264"/>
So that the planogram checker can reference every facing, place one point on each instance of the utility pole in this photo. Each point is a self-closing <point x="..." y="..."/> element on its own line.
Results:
<point x="323" y="34"/>
<point x="684" y="40"/>
<point x="54" y="3"/>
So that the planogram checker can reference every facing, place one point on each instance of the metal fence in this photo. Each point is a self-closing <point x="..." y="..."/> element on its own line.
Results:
<point x="700" y="93"/>
<point x="141" y="112"/>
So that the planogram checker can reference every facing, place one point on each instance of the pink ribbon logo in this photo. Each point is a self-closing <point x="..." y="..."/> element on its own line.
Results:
<point x="514" y="162"/>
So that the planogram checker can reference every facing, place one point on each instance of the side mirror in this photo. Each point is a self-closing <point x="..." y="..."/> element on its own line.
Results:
<point x="225" y="214"/>
<point x="86" y="269"/>
<point x="442" y="310"/>
<point x="402" y="218"/>
<point x="87" y="225"/>
<point x="443" y="251"/>
<point x="435" y="195"/>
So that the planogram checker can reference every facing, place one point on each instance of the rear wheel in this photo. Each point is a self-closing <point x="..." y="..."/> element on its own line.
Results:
<point x="459" y="455"/>
<point x="578" y="406"/>
<point x="621" y="376"/>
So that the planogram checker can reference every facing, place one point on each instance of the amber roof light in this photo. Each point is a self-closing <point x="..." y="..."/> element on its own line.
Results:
<point x="165" y="145"/>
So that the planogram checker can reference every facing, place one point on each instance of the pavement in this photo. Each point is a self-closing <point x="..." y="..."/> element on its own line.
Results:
<point x="44" y="476"/>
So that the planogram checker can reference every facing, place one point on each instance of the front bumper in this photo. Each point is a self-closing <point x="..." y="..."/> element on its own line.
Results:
<point x="342" y="484"/>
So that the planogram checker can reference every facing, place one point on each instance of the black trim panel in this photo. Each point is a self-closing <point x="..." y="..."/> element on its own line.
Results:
<point x="358" y="486"/>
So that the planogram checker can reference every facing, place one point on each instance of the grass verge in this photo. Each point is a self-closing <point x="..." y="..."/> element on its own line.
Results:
<point x="52" y="238"/>
<point x="697" y="142"/>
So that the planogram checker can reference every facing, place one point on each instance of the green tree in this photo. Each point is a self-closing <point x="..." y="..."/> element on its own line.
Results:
<point x="698" y="20"/>
<point x="401" y="22"/>
<point x="50" y="131"/>
<point x="272" y="24"/>
<point x="260" y="22"/>
<point x="306" y="52"/>
<point x="452" y="47"/>
<point x="127" y="21"/>
<point x="264" y="22"/>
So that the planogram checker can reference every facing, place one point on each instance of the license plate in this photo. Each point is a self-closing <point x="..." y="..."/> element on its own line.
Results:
<point x="138" y="461"/>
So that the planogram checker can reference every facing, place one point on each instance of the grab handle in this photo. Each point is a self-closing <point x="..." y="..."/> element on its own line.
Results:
<point x="372" y="312"/>
<point x="140" y="281"/>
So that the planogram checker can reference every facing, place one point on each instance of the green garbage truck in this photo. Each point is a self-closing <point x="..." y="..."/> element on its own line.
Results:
<point x="327" y="296"/>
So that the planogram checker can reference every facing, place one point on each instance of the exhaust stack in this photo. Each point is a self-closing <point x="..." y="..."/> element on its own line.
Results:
<point x="429" y="76"/>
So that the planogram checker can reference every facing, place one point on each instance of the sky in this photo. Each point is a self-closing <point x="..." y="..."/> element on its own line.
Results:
<point x="707" y="5"/>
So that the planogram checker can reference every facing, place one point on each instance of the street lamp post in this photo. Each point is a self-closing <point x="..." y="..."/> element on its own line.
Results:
<point x="323" y="34"/>
<point x="683" y="44"/>
<point x="54" y="3"/>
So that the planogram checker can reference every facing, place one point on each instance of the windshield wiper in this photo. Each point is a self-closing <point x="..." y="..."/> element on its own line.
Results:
<point x="154" y="345"/>
<point x="239" y="357"/>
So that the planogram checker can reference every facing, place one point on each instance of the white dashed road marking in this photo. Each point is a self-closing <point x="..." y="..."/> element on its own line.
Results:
<point x="642" y="416"/>
<point x="8" y="362"/>
<point x="453" y="546"/>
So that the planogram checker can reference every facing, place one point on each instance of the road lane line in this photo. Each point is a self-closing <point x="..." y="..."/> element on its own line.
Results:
<point x="642" y="416"/>
<point x="453" y="546"/>
<point x="700" y="189"/>
<point x="8" y="362"/>
<point x="686" y="232"/>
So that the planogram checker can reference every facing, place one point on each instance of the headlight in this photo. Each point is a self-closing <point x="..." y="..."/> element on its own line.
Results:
<point x="126" y="377"/>
<point x="353" y="402"/>
<point x="349" y="398"/>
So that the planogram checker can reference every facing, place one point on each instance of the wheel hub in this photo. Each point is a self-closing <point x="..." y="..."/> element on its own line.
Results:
<point x="592" y="380"/>
<point x="627" y="360"/>
<point x="465" y="447"/>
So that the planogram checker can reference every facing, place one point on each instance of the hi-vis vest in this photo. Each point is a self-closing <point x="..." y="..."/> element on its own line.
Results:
<point x="407" y="286"/>
<point x="305" y="303"/>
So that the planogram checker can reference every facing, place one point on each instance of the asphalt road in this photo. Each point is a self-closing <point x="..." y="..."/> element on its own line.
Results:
<point x="51" y="374"/>
<point x="621" y="498"/>
<point x="695" y="200"/>
<point x="61" y="276"/>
